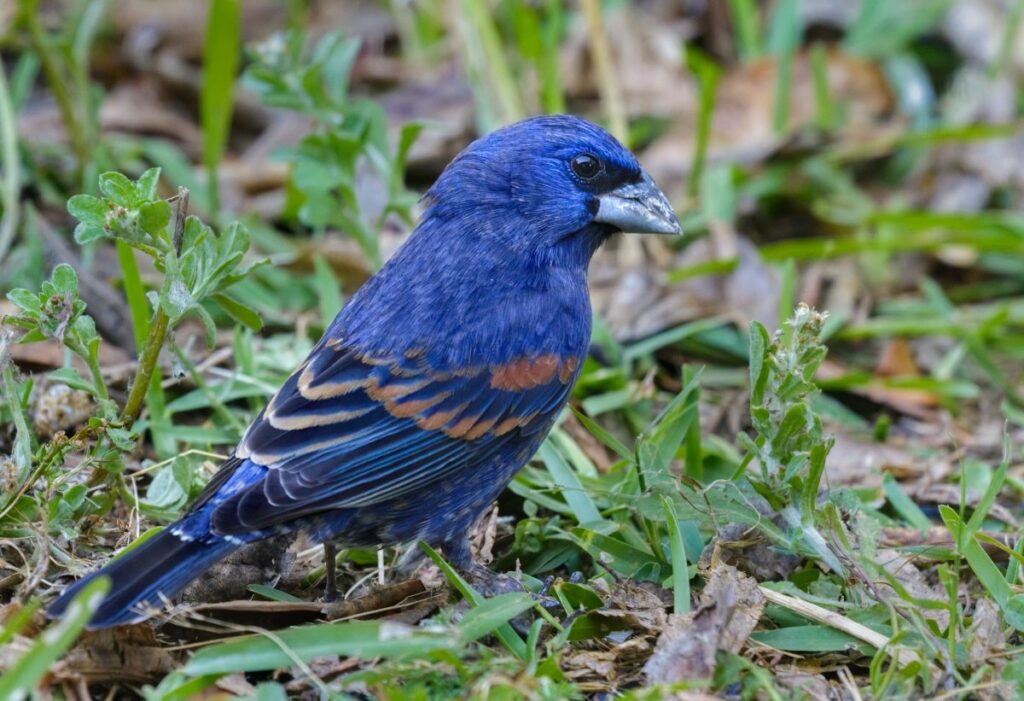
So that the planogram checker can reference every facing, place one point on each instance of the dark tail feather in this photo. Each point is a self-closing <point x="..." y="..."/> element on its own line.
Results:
<point x="162" y="565"/>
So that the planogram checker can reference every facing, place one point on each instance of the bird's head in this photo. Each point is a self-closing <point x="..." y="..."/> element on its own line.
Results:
<point x="552" y="188"/>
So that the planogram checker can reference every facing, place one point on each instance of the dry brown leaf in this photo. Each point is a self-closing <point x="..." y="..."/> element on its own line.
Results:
<point x="729" y="608"/>
<point x="967" y="172"/>
<point x="638" y="605"/>
<point x="615" y="664"/>
<point x="938" y="537"/>
<point x="124" y="654"/>
<point x="482" y="536"/>
<point x="985" y="636"/>
<point x="346" y="258"/>
<point x="442" y="100"/>
<point x="183" y="25"/>
<point x="236" y="685"/>
<point x="897" y="359"/>
<point x="812" y="687"/>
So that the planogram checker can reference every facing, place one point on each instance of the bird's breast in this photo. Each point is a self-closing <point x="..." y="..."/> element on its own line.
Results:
<point x="465" y="314"/>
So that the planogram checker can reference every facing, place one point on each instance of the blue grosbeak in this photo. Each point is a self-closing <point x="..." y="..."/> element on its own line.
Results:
<point x="438" y="380"/>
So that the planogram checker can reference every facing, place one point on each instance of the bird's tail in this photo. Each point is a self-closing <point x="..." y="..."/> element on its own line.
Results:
<point x="159" y="567"/>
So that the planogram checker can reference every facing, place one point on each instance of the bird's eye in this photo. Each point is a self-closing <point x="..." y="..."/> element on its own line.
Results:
<point x="586" y="166"/>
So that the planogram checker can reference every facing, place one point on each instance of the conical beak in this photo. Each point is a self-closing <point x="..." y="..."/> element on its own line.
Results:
<point x="638" y="208"/>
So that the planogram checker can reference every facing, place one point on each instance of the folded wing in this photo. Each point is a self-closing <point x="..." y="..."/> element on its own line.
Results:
<point x="350" y="429"/>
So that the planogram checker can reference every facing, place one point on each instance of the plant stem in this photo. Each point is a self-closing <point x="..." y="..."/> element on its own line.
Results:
<point x="147" y="363"/>
<point x="157" y="329"/>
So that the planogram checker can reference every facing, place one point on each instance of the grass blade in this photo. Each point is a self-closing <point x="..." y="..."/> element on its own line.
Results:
<point x="362" y="639"/>
<point x="565" y="477"/>
<point x="216" y="99"/>
<point x="680" y="568"/>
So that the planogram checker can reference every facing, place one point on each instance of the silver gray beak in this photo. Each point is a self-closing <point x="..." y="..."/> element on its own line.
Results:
<point x="638" y="208"/>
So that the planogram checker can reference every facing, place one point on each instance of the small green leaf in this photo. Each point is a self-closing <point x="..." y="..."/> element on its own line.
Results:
<point x="565" y="477"/>
<point x="505" y="632"/>
<point x="64" y="278"/>
<point x="216" y="97"/>
<point x="239" y="312"/>
<point x="25" y="300"/>
<point x="87" y="233"/>
<point x="145" y="186"/>
<point x="175" y="298"/>
<point x="118" y="188"/>
<point x="166" y="490"/>
<point x="602" y="435"/>
<point x="807" y="638"/>
<point x="122" y="438"/>
<point x="680" y="568"/>
<point x="759" y="342"/>
<point x="154" y="218"/>
<point x="70" y="377"/>
<point x="208" y="325"/>
<point x="88" y="209"/>
<point x="1013" y="611"/>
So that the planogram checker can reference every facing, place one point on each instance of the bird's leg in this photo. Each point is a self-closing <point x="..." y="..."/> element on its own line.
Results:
<point x="331" y="572"/>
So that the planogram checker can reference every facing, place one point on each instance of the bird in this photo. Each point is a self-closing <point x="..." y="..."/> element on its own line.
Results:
<point x="435" y="383"/>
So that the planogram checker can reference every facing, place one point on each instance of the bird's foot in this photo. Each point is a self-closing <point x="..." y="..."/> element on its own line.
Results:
<point x="489" y="583"/>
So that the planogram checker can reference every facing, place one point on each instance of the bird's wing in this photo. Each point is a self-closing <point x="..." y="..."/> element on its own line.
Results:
<point x="348" y="429"/>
